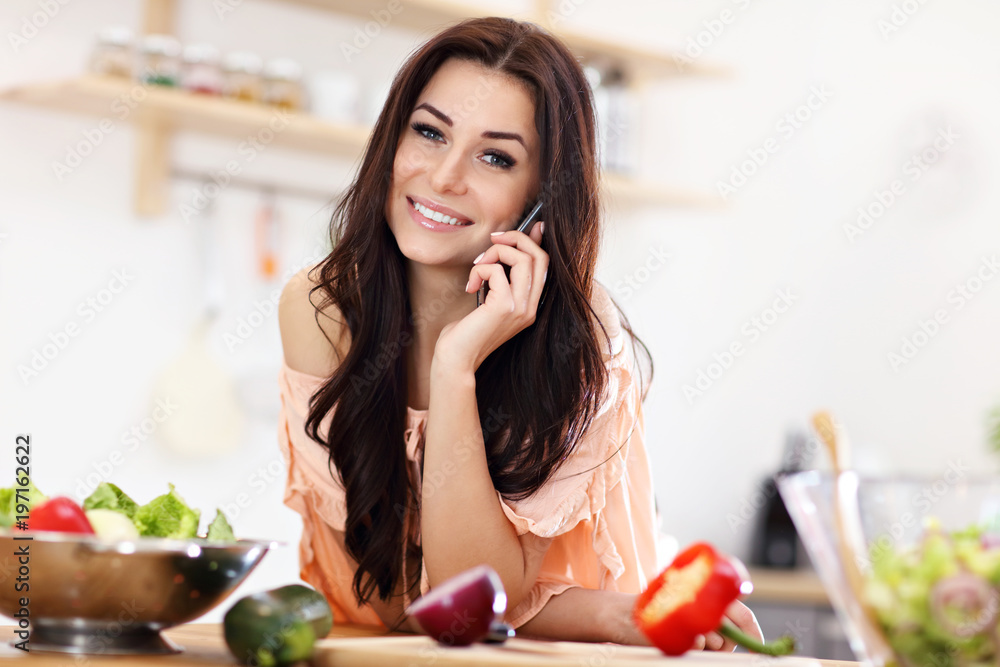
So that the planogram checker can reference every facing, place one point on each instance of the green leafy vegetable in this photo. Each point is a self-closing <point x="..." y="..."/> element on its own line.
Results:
<point x="107" y="496"/>
<point x="167" y="516"/>
<point x="9" y="500"/>
<point x="938" y="598"/>
<point x="220" y="530"/>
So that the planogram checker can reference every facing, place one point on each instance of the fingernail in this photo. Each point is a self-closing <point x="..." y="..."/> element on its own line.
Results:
<point x="476" y="260"/>
<point x="496" y="233"/>
<point x="468" y="285"/>
<point x="541" y="227"/>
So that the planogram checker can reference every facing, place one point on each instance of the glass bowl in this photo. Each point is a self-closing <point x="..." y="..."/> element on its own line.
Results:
<point x="925" y="586"/>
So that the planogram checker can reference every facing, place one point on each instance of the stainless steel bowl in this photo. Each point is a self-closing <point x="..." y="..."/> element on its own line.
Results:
<point x="88" y="595"/>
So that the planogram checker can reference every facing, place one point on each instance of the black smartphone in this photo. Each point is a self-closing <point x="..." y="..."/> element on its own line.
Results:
<point x="525" y="227"/>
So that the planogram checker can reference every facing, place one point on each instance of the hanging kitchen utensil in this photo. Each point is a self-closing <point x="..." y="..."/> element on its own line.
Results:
<point x="208" y="421"/>
<point x="266" y="237"/>
<point x="261" y="351"/>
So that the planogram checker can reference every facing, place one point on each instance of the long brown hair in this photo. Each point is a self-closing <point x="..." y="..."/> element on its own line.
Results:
<point x="549" y="378"/>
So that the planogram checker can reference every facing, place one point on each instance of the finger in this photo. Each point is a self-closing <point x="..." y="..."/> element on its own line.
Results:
<point x="526" y="242"/>
<point x="493" y="275"/>
<point x="743" y="618"/>
<point x="699" y="643"/>
<point x="714" y="641"/>
<point x="526" y="276"/>
<point x="537" y="232"/>
<point x="510" y="255"/>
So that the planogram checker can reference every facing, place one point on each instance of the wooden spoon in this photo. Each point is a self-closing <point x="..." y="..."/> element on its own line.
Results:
<point x="839" y="450"/>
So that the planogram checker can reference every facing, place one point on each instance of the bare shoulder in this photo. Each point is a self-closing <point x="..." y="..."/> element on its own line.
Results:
<point x="607" y="315"/>
<point x="305" y="346"/>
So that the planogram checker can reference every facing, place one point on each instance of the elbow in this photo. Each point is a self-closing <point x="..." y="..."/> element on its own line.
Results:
<point x="516" y="587"/>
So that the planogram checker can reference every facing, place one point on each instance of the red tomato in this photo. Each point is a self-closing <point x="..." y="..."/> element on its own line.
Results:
<point x="61" y="515"/>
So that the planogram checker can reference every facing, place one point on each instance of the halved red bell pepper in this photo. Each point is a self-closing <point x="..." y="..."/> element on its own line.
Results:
<point x="59" y="514"/>
<point x="690" y="598"/>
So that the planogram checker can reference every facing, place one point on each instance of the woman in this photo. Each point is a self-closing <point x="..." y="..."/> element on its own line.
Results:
<point x="425" y="435"/>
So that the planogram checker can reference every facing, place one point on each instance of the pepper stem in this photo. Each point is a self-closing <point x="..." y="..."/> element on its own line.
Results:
<point x="781" y="646"/>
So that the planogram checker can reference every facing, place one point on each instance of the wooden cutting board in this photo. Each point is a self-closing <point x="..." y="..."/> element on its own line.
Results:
<point x="358" y="646"/>
<point x="418" y="651"/>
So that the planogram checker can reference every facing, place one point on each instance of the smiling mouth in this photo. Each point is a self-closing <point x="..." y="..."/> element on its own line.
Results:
<point x="437" y="216"/>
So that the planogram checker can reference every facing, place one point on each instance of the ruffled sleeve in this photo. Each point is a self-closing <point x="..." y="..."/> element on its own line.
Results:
<point x="606" y="476"/>
<point x="310" y="480"/>
<point x="577" y="490"/>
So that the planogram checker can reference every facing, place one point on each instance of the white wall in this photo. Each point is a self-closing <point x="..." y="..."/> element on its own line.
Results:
<point x="854" y="301"/>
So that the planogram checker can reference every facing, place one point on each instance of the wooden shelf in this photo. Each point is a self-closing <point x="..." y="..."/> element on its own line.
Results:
<point x="120" y="100"/>
<point x="787" y="586"/>
<point x="115" y="98"/>
<point x="431" y="15"/>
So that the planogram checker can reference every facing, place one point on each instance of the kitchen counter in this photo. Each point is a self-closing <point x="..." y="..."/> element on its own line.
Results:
<point x="357" y="646"/>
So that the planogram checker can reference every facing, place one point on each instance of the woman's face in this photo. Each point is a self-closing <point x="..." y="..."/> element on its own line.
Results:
<point x="470" y="153"/>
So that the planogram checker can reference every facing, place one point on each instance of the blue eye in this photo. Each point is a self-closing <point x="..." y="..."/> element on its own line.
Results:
<point x="427" y="131"/>
<point x="499" y="159"/>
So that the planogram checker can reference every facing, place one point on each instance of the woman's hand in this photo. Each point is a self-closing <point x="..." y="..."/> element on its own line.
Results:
<point x="510" y="306"/>
<point x="743" y="618"/>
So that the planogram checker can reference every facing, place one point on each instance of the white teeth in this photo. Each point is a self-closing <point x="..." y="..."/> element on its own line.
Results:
<point x="436" y="216"/>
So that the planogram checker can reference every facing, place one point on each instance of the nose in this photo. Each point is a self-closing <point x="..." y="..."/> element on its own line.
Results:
<point x="447" y="174"/>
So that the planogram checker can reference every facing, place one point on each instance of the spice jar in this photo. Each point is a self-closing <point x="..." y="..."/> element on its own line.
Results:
<point x="201" y="69"/>
<point x="241" y="76"/>
<point x="113" y="53"/>
<point x="159" y="62"/>
<point x="283" y="84"/>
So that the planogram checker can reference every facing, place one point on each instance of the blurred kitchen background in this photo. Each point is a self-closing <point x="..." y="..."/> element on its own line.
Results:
<point x="799" y="217"/>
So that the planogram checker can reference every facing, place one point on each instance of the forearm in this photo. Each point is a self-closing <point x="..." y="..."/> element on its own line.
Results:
<point x="586" y="615"/>
<point x="462" y="523"/>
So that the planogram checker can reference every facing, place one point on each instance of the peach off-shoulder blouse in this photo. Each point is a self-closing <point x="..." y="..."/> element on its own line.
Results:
<point x="598" y="506"/>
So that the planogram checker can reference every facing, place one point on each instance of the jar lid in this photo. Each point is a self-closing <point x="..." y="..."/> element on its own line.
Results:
<point x="242" y="61"/>
<point x="284" y="69"/>
<point x="115" y="35"/>
<point x="201" y="53"/>
<point x="163" y="45"/>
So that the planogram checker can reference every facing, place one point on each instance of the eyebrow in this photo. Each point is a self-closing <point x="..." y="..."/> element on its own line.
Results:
<point x="489" y="134"/>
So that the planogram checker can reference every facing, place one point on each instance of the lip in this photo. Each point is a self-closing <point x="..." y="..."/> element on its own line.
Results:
<point x="427" y="223"/>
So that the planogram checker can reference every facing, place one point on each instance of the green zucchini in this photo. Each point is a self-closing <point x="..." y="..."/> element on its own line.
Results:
<point x="277" y="627"/>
